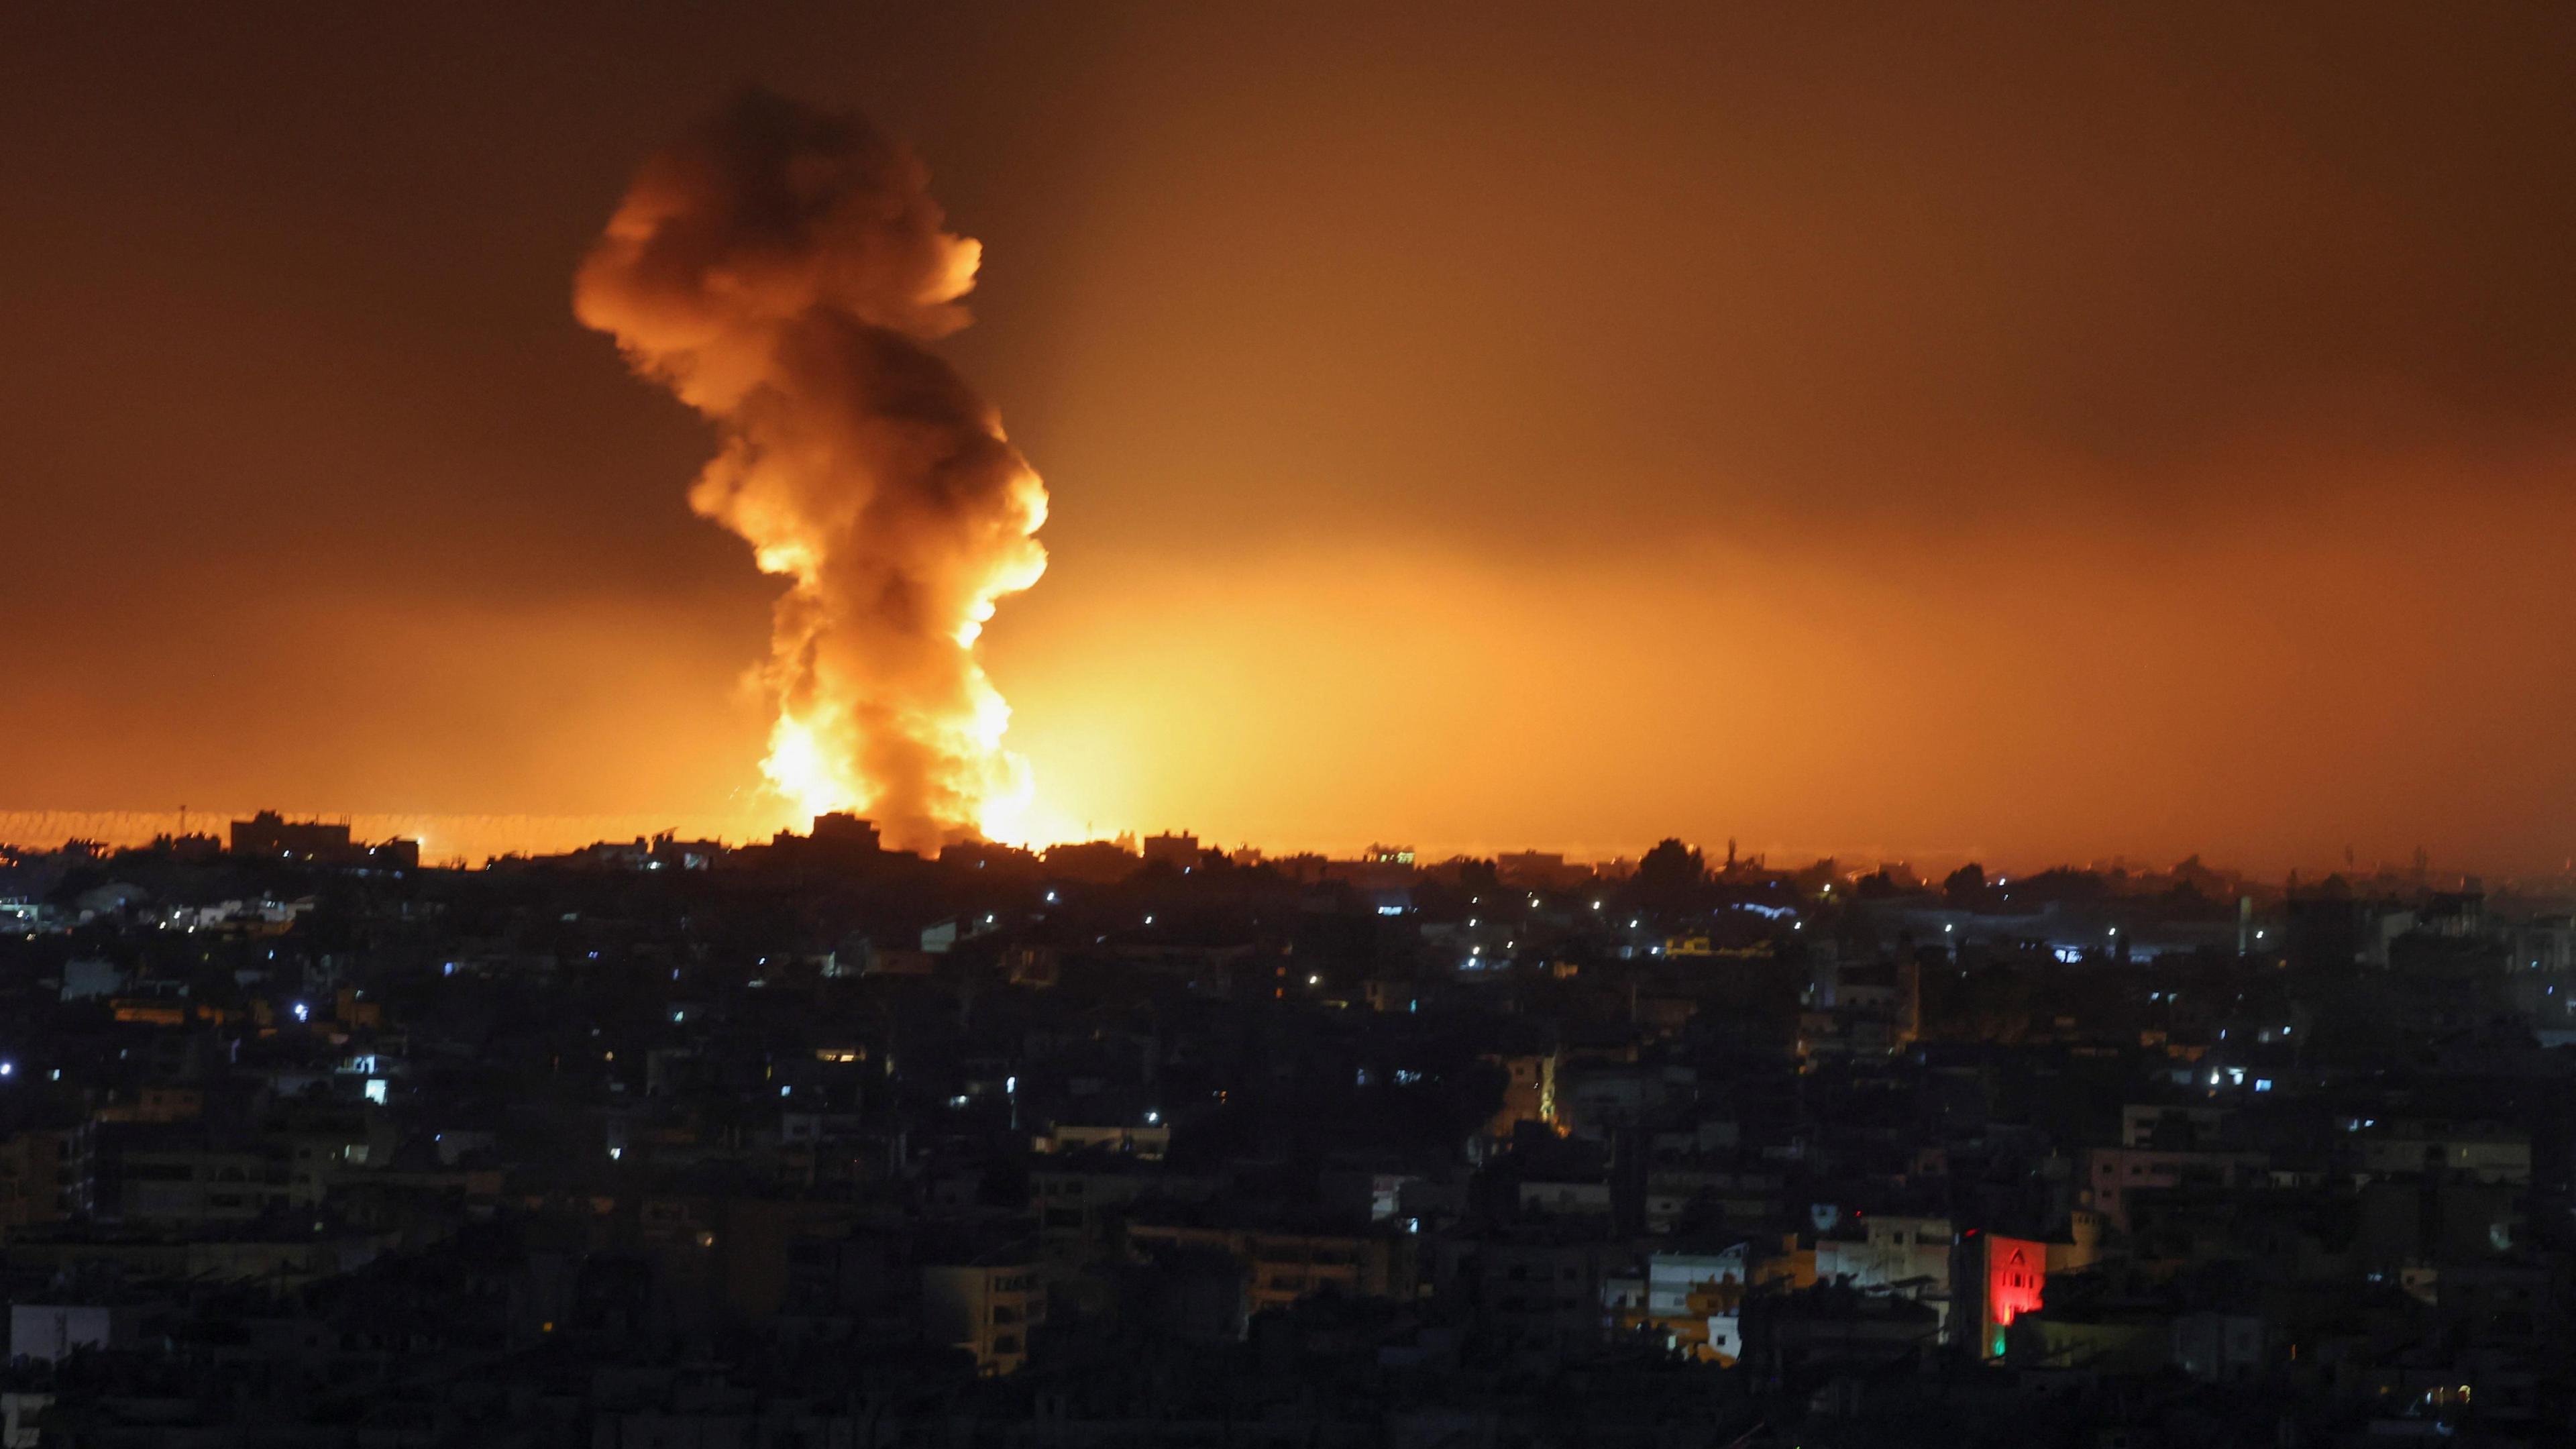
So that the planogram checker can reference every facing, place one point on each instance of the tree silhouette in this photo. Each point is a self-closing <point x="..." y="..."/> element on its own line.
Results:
<point x="1669" y="875"/>
<point x="1965" y="888"/>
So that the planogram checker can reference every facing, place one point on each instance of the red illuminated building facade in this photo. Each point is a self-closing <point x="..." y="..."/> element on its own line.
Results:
<point x="2007" y="1278"/>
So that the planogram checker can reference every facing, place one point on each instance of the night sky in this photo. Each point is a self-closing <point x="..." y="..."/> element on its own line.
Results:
<point x="2047" y="433"/>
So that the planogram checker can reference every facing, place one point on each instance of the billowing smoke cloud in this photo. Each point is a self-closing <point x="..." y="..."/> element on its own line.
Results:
<point x="781" y="269"/>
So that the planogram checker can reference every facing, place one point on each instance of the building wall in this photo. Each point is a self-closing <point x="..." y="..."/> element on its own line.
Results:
<point x="45" y="1177"/>
<point x="53" y="1332"/>
<point x="195" y="1186"/>
<point x="2112" y="1173"/>
<point x="986" y="1310"/>
<point x="1694" y="1301"/>
<point x="1280" y="1268"/>
<point x="2479" y="1154"/>
<point x="1529" y="1093"/>
<point x="1891" y="1251"/>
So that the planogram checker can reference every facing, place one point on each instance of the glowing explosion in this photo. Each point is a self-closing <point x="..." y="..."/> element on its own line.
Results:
<point x="780" y="270"/>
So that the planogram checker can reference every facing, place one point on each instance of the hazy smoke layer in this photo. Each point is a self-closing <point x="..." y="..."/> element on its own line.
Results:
<point x="780" y="270"/>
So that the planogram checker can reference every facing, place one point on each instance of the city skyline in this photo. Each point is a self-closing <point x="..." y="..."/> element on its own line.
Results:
<point x="472" y="842"/>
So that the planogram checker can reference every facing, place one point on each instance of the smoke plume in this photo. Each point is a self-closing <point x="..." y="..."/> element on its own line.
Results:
<point x="781" y="270"/>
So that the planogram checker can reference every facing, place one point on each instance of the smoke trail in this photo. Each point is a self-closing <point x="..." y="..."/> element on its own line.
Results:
<point x="780" y="270"/>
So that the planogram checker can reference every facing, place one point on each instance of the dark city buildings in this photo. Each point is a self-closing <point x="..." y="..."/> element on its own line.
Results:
<point x="816" y="1143"/>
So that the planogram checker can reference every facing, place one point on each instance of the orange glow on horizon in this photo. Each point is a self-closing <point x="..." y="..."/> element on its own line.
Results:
<point x="2033" y="703"/>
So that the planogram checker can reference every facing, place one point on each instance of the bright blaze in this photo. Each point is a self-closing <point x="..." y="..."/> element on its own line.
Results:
<point x="797" y="771"/>
<point x="783" y="271"/>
